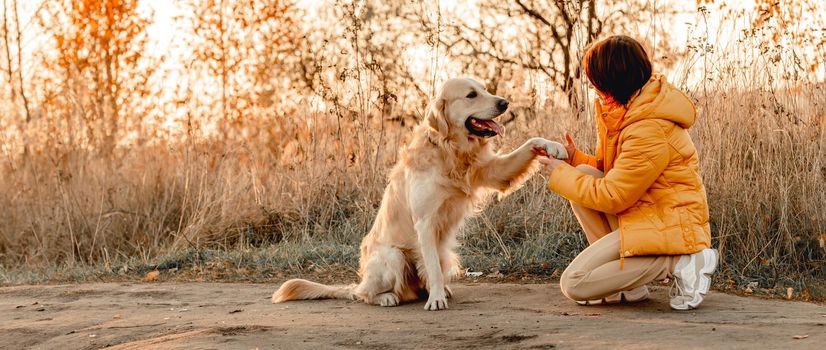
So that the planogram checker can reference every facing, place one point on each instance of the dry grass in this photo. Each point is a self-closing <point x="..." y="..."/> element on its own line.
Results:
<point x="763" y="163"/>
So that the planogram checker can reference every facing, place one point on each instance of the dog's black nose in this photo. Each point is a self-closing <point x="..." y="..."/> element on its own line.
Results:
<point x="502" y="105"/>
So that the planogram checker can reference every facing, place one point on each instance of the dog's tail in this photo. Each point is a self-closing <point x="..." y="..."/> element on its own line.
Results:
<point x="298" y="289"/>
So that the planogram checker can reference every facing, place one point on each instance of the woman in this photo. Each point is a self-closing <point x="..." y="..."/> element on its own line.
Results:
<point x="647" y="218"/>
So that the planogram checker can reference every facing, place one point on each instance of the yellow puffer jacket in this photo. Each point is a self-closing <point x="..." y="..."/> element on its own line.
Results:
<point x="652" y="177"/>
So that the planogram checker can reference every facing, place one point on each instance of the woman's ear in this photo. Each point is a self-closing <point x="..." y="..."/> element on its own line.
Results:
<point x="435" y="116"/>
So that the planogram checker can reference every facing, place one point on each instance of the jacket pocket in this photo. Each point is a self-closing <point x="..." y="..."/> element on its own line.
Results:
<point x="653" y="217"/>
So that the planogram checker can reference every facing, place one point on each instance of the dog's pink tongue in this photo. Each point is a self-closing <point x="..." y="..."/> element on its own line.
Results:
<point x="490" y="124"/>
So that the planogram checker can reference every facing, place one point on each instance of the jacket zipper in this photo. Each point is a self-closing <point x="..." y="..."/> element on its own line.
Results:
<point x="622" y="243"/>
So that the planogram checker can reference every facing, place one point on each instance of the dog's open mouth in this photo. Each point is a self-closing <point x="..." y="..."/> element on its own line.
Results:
<point x="483" y="127"/>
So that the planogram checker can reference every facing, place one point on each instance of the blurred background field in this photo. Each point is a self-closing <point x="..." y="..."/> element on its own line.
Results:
<point x="250" y="139"/>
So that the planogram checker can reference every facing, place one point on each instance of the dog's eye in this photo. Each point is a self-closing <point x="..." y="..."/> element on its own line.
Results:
<point x="472" y="94"/>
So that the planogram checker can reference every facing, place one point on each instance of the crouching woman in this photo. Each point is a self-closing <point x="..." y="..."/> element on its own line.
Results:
<point x="640" y="200"/>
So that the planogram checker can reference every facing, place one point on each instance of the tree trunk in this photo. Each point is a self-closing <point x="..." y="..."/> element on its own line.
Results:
<point x="9" y="71"/>
<point x="20" y="61"/>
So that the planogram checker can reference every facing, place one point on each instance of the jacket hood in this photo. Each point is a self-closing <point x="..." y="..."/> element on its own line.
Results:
<point x="658" y="99"/>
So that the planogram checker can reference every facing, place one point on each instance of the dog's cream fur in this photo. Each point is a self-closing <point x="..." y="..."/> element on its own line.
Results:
<point x="443" y="176"/>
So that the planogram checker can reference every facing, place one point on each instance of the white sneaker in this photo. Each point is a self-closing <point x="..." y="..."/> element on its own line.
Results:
<point x="692" y="279"/>
<point x="629" y="296"/>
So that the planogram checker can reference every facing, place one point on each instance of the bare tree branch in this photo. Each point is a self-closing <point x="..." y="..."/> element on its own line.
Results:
<point x="20" y="60"/>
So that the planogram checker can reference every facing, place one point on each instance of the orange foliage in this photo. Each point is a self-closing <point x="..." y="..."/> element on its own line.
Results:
<point x="241" y="46"/>
<point x="99" y="45"/>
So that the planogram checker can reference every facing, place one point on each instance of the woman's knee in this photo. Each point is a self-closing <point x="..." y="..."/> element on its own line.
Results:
<point x="587" y="169"/>
<point x="569" y="283"/>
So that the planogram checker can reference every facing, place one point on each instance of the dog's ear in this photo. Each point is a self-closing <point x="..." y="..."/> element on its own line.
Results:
<point x="435" y="116"/>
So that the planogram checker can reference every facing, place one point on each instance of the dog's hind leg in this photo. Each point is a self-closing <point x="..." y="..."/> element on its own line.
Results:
<point x="383" y="278"/>
<point x="387" y="299"/>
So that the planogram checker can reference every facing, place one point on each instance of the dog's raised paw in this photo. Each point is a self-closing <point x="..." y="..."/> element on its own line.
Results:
<point x="549" y="148"/>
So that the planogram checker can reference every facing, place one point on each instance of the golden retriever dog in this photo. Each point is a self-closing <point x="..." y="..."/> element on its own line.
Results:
<point x="443" y="175"/>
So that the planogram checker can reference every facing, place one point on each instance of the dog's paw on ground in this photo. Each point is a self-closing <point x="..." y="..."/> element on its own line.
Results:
<point x="436" y="303"/>
<point x="388" y="299"/>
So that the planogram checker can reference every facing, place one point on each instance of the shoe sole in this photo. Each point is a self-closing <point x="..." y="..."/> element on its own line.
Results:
<point x="623" y="299"/>
<point x="710" y="264"/>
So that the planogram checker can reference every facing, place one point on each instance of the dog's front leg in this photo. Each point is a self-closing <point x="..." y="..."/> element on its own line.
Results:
<point x="426" y="198"/>
<point x="506" y="171"/>
<point x="427" y="235"/>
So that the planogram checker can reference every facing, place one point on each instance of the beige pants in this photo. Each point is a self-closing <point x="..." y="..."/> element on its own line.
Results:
<point x="595" y="273"/>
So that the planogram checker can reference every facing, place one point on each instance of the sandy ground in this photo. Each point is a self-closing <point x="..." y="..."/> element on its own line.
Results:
<point x="240" y="316"/>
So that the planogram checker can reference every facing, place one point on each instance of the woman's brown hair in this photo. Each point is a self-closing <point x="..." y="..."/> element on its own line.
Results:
<point x="617" y="66"/>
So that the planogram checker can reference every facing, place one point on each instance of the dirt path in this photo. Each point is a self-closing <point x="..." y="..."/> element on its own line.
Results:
<point x="240" y="316"/>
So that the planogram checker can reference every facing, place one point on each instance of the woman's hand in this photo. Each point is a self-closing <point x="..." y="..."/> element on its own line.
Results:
<point x="548" y="165"/>
<point x="570" y="146"/>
